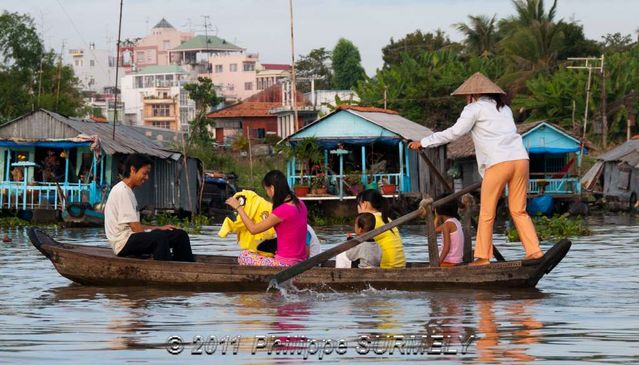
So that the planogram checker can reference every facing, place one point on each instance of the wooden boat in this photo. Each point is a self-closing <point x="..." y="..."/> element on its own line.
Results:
<point x="91" y="265"/>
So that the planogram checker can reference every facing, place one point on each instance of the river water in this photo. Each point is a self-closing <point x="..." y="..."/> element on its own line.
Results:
<point x="585" y="311"/>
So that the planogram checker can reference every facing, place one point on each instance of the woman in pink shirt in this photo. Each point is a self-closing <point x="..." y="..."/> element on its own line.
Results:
<point x="289" y="218"/>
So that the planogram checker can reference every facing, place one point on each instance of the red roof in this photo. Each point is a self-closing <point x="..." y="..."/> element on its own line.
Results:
<point x="98" y="119"/>
<point x="245" y="109"/>
<point x="276" y="66"/>
<point x="366" y="109"/>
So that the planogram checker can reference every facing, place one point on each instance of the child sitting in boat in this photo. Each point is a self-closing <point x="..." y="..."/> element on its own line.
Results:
<point x="390" y="242"/>
<point x="447" y="223"/>
<point x="365" y="255"/>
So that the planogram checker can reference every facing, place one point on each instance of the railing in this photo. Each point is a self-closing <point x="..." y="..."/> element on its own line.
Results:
<point x="569" y="185"/>
<point x="18" y="195"/>
<point x="386" y="178"/>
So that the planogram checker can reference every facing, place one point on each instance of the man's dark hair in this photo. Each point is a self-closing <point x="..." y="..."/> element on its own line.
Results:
<point x="136" y="160"/>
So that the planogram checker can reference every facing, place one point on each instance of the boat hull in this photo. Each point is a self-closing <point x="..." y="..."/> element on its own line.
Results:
<point x="91" y="265"/>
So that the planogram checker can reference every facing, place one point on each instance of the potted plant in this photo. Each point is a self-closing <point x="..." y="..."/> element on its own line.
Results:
<point x="318" y="184"/>
<point x="388" y="188"/>
<point x="307" y="151"/>
<point x="353" y="182"/>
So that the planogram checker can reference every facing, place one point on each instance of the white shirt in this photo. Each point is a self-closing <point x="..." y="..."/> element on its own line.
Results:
<point x="121" y="209"/>
<point x="493" y="131"/>
<point x="312" y="241"/>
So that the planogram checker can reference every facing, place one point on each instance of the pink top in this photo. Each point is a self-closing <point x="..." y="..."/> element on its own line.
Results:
<point x="291" y="233"/>
<point x="456" y="251"/>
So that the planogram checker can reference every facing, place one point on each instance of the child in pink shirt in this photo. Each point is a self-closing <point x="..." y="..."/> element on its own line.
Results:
<point x="447" y="223"/>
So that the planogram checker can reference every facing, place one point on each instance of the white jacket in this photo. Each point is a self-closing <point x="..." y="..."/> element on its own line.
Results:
<point x="493" y="131"/>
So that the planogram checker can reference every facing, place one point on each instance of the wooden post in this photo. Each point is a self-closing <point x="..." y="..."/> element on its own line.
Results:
<point x="431" y="235"/>
<point x="468" y="203"/>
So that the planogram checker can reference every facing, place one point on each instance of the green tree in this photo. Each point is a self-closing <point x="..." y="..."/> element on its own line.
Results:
<point x="414" y="44"/>
<point x="419" y="87"/>
<point x="481" y="34"/>
<point x="347" y="67"/>
<point x="203" y="94"/>
<point x="317" y="64"/>
<point x="575" y="42"/>
<point x="531" y="41"/>
<point x="31" y="78"/>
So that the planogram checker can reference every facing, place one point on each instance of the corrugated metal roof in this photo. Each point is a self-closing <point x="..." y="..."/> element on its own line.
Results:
<point x="387" y="119"/>
<point x="407" y="129"/>
<point x="615" y="154"/>
<point x="200" y="42"/>
<point x="128" y="139"/>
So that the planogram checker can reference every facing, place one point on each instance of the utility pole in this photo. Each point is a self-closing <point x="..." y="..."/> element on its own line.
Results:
<point x="293" y="79"/>
<point x="117" y="63"/>
<point x="590" y="64"/>
<point x="57" y="95"/>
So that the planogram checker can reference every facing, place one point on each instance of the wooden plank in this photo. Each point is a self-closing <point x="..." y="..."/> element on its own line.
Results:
<point x="431" y="235"/>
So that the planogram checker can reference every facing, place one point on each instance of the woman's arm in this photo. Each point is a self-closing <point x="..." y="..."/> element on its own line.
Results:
<point x="251" y="226"/>
<point x="271" y="221"/>
<point x="463" y="125"/>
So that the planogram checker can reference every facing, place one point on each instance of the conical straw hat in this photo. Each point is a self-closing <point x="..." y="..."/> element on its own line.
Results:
<point x="478" y="84"/>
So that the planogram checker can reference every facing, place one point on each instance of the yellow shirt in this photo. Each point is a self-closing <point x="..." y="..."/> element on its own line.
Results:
<point x="391" y="244"/>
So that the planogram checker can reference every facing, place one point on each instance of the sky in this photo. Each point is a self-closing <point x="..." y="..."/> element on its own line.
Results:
<point x="262" y="26"/>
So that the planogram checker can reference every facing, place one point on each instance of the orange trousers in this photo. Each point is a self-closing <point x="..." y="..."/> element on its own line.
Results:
<point x="515" y="174"/>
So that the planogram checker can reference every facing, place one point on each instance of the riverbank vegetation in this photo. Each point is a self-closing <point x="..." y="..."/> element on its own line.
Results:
<point x="554" y="228"/>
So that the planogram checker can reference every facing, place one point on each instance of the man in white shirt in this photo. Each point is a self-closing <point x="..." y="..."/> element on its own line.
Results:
<point x="128" y="237"/>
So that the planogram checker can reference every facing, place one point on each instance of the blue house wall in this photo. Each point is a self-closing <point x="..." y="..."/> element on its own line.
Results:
<point x="552" y="146"/>
<point x="347" y="128"/>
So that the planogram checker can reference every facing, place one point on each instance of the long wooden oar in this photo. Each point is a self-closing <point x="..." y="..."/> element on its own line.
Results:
<point x="295" y="270"/>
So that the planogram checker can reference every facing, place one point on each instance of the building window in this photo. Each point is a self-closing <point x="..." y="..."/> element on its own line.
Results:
<point x="248" y="86"/>
<point x="165" y="125"/>
<point x="166" y="45"/>
<point x="139" y="56"/>
<point x="148" y="81"/>
<point x="219" y="68"/>
<point x="259" y="84"/>
<point x="161" y="110"/>
<point x="91" y="63"/>
<point x="249" y="66"/>
<point x="233" y="67"/>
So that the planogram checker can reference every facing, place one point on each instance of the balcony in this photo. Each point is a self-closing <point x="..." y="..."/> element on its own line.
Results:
<point x="157" y="100"/>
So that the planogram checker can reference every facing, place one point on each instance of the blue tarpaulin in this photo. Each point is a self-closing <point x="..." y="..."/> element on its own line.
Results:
<point x="47" y="144"/>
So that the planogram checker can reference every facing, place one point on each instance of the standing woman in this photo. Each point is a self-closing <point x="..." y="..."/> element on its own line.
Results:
<point x="502" y="160"/>
<point x="289" y="218"/>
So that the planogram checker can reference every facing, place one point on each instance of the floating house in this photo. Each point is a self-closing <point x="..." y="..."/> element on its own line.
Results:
<point x="616" y="173"/>
<point x="365" y="147"/>
<point x="48" y="161"/>
<point x="555" y="158"/>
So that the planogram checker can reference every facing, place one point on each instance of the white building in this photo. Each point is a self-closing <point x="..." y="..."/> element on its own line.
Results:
<point x="154" y="97"/>
<point x="95" y="68"/>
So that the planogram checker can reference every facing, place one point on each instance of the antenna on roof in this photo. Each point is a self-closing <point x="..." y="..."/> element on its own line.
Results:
<point x="117" y="63"/>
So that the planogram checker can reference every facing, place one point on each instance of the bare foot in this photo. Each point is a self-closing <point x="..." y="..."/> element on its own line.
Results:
<point x="479" y="262"/>
<point x="534" y="256"/>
